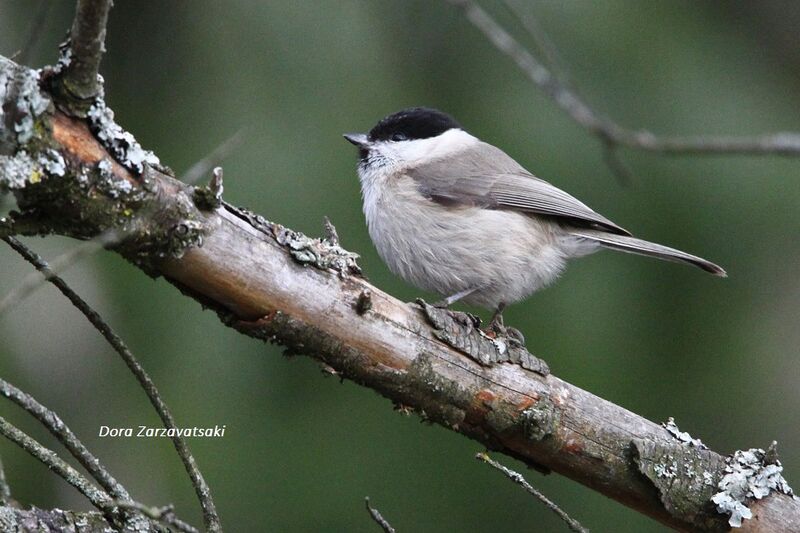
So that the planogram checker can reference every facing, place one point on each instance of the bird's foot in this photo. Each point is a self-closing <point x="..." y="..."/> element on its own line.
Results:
<point x="498" y="329"/>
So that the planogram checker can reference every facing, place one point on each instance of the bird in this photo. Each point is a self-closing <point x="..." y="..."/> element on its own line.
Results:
<point x="456" y="216"/>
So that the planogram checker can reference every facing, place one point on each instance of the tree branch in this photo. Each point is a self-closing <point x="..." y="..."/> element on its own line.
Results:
<point x="278" y="285"/>
<point x="78" y="84"/>
<point x="608" y="131"/>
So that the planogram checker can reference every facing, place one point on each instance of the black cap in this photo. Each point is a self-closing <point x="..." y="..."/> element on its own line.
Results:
<point x="413" y="123"/>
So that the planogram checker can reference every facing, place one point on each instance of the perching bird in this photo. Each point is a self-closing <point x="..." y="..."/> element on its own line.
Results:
<point x="453" y="215"/>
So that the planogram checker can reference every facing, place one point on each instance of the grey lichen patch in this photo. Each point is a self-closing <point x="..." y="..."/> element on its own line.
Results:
<point x="749" y="475"/>
<point x="682" y="436"/>
<point x="21" y="170"/>
<point x="53" y="162"/>
<point x="120" y="143"/>
<point x="24" y="101"/>
<point x="316" y="252"/>
<point x="462" y="332"/>
<point x="17" y="171"/>
<point x="540" y="420"/>
<point x="109" y="184"/>
<point x="680" y="474"/>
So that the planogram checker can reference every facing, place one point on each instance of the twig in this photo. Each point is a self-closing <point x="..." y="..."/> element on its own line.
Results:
<point x="35" y="32"/>
<point x="378" y="517"/>
<point x="5" y="488"/>
<point x="516" y="477"/>
<point x="60" y="431"/>
<point x="617" y="166"/>
<point x="786" y="143"/>
<point x="78" y="82"/>
<point x="163" y="515"/>
<point x="34" y="281"/>
<point x="96" y="496"/>
<point x="331" y="235"/>
<point x="542" y="41"/>
<point x="202" y="489"/>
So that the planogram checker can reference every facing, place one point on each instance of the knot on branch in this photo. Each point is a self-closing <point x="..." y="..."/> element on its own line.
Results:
<point x="462" y="332"/>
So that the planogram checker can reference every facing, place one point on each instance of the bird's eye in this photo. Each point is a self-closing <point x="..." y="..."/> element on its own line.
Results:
<point x="399" y="136"/>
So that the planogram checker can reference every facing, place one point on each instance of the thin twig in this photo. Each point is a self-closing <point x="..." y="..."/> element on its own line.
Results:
<point x="33" y="282"/>
<point x="5" y="488"/>
<point x="35" y="32"/>
<point x="96" y="496"/>
<point x="331" y="235"/>
<point x="163" y="515"/>
<point x="542" y="41"/>
<point x="785" y="143"/>
<point x="65" y="436"/>
<point x="87" y="44"/>
<point x="552" y="58"/>
<point x="516" y="477"/>
<point x="378" y="518"/>
<point x="202" y="489"/>
<point x="615" y="163"/>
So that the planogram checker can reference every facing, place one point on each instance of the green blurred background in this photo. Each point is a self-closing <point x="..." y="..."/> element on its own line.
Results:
<point x="302" y="450"/>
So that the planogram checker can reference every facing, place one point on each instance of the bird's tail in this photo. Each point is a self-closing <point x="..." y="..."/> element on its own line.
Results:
<point x="638" y="246"/>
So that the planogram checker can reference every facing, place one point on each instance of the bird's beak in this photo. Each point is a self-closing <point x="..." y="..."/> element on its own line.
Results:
<point x="359" y="139"/>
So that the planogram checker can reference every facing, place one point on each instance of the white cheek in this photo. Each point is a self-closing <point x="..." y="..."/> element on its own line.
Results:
<point x="420" y="151"/>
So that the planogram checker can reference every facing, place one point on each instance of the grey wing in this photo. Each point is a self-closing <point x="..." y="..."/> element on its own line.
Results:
<point x="486" y="176"/>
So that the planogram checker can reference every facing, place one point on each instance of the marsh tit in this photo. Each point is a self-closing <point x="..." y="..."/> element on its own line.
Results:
<point x="456" y="216"/>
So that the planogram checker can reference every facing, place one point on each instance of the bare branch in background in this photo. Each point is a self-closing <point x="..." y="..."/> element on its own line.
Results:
<point x="517" y="478"/>
<point x="202" y="489"/>
<point x="96" y="496"/>
<point x="542" y="41"/>
<point x="135" y="518"/>
<point x="608" y="131"/>
<point x="65" y="436"/>
<point x="378" y="518"/>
